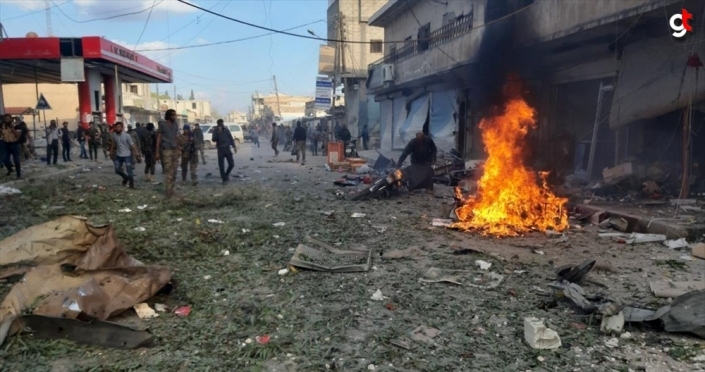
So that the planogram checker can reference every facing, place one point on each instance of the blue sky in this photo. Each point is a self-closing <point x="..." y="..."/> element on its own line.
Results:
<point x="227" y="74"/>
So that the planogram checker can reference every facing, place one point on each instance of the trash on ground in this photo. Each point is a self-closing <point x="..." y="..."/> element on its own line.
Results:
<point x="142" y="207"/>
<point x="144" y="311"/>
<point x="215" y="221"/>
<point x="378" y="296"/>
<point x="358" y="215"/>
<point x="279" y="224"/>
<point x="612" y="324"/>
<point x="676" y="243"/>
<point x="380" y="229"/>
<point x="140" y="228"/>
<point x="486" y="280"/>
<point x="283" y="271"/>
<point x="183" y="311"/>
<point x="125" y="210"/>
<point x="6" y="190"/>
<point x="262" y="340"/>
<point x="538" y="251"/>
<point x="686" y="257"/>
<point x="699" y="251"/>
<point x="576" y="274"/>
<point x="225" y="252"/>
<point x="669" y="289"/>
<point x="441" y="222"/>
<point x="402" y="342"/>
<point x="324" y="257"/>
<point x="619" y="223"/>
<point x="97" y="262"/>
<point x="160" y="308"/>
<point x="538" y="336"/>
<point x="612" y="343"/>
<point x="575" y="293"/>
<point x="636" y="238"/>
<point x="412" y="252"/>
<point x="424" y="334"/>
<point x="483" y="265"/>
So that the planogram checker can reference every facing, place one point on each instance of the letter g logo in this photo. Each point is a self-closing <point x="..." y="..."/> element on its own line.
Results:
<point x="679" y="30"/>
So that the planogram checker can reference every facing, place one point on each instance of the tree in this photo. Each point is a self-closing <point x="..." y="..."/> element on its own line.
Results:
<point x="179" y="97"/>
<point x="192" y="97"/>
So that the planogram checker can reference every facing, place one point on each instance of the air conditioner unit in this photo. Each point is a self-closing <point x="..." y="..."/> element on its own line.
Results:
<point x="387" y="73"/>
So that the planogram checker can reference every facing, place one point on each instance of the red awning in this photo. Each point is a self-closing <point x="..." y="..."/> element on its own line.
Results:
<point x="14" y="111"/>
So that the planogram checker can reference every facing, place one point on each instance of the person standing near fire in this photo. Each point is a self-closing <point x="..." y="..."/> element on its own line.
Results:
<point x="275" y="139"/>
<point x="300" y="140"/>
<point x="423" y="155"/>
<point x="189" y="154"/>
<point x="168" y="151"/>
<point x="223" y="140"/>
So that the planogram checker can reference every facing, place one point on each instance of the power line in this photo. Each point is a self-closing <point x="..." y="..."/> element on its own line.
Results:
<point x="35" y="12"/>
<point x="227" y="41"/>
<point x="154" y="3"/>
<point x="284" y="32"/>
<point x="103" y="19"/>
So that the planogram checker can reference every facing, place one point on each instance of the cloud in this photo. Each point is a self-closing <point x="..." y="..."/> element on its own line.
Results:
<point x="151" y="49"/>
<point x="28" y="4"/>
<point x="107" y="7"/>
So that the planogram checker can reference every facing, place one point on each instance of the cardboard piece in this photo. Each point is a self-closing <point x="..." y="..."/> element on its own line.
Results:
<point x="698" y="251"/>
<point x="667" y="289"/>
<point x="73" y="270"/>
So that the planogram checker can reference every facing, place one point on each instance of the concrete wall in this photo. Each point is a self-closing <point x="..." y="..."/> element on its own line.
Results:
<point x="63" y="99"/>
<point x="355" y="15"/>
<point x="547" y="20"/>
<point x="430" y="11"/>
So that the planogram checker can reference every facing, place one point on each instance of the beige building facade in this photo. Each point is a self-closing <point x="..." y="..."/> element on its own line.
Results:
<point x="63" y="99"/>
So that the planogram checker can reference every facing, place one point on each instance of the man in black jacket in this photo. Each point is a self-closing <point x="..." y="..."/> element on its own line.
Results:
<point x="224" y="140"/>
<point x="65" y="141"/>
<point x="300" y="139"/>
<point x="423" y="155"/>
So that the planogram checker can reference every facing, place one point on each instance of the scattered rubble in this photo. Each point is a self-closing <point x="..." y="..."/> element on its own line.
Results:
<point x="538" y="336"/>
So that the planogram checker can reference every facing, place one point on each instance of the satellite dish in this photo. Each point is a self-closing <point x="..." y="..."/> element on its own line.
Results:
<point x="31" y="34"/>
<point x="165" y="107"/>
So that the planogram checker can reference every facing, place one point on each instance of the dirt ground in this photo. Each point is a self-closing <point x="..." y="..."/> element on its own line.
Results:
<point x="321" y="321"/>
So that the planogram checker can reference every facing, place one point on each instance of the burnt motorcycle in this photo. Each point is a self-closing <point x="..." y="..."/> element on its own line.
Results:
<point x="394" y="181"/>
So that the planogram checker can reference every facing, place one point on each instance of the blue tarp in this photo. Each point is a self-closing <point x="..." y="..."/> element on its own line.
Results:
<point x="418" y="113"/>
<point x="442" y="125"/>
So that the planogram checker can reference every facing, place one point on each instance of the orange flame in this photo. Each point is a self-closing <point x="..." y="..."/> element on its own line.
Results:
<point x="509" y="200"/>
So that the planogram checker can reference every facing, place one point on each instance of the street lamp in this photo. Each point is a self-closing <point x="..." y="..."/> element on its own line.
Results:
<point x="314" y="35"/>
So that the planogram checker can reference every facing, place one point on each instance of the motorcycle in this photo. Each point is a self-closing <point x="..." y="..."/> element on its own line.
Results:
<point x="385" y="186"/>
<point x="449" y="169"/>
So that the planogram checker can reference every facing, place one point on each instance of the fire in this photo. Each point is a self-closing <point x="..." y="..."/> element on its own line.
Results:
<point x="509" y="200"/>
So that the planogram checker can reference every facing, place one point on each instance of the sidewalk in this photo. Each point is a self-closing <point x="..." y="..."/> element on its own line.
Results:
<point x="686" y="226"/>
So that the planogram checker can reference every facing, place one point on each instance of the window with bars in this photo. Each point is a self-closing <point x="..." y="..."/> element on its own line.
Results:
<point x="376" y="46"/>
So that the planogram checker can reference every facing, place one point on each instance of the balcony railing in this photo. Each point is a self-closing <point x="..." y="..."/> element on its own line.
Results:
<point x="459" y="27"/>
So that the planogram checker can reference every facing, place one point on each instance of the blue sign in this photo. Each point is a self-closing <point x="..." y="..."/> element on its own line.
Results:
<point x="42" y="103"/>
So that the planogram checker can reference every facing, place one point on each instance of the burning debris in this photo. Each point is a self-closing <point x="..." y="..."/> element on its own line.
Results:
<point x="509" y="199"/>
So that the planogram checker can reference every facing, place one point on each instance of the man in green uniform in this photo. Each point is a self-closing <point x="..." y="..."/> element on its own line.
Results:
<point x="168" y="151"/>
<point x="189" y="154"/>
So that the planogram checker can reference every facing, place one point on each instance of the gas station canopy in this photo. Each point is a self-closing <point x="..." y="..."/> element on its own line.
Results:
<point x="39" y="60"/>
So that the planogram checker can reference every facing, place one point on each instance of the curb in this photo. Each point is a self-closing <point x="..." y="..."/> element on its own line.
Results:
<point x="43" y="175"/>
<point x="648" y="225"/>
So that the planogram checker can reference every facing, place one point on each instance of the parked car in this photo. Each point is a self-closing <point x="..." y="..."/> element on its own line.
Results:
<point x="235" y="129"/>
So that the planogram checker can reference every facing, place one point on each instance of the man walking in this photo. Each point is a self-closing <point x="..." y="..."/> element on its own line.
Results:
<point x="65" y="141"/>
<point x="106" y="139"/>
<point x="316" y="139"/>
<point x="149" y="146"/>
<point x="92" y="137"/>
<point x="300" y="139"/>
<point x="275" y="139"/>
<point x="168" y="148"/>
<point x="254" y="136"/>
<point x="223" y="139"/>
<point x="81" y="138"/>
<point x="11" y="135"/>
<point x="121" y="152"/>
<point x="200" y="141"/>
<point x="365" y="135"/>
<point x="423" y="154"/>
<point x="52" y="143"/>
<point x="189" y="154"/>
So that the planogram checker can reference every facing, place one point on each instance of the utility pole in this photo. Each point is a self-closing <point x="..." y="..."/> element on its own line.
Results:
<point x="47" y="12"/>
<point x="276" y="91"/>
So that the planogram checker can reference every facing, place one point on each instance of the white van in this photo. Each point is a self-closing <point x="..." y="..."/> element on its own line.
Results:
<point x="235" y="129"/>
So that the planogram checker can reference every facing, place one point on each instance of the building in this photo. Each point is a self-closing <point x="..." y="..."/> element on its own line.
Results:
<point x="236" y="117"/>
<point x="63" y="99"/>
<point x="194" y="111"/>
<point x="277" y="107"/>
<point x="348" y="20"/>
<point x="312" y="112"/>
<point x="140" y="104"/>
<point x="608" y="80"/>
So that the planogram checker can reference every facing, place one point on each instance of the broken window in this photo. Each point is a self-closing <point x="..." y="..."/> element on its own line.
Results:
<point x="376" y="46"/>
<point x="193" y="105"/>
<point x="448" y="18"/>
<point x="423" y="36"/>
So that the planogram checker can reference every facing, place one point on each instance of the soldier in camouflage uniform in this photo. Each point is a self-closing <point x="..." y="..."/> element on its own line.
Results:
<point x="93" y="139"/>
<point x="168" y="151"/>
<point x="189" y="154"/>
<point x="106" y="140"/>
<point x="149" y="147"/>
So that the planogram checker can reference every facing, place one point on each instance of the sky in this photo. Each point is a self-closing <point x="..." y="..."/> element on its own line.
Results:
<point x="226" y="74"/>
